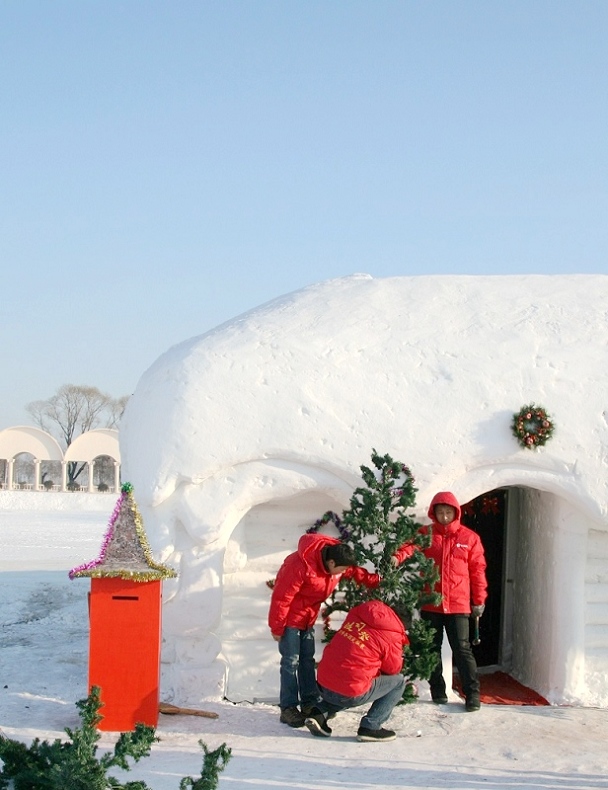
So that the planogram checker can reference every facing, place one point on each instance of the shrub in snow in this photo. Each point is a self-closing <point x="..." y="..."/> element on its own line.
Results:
<point x="74" y="764"/>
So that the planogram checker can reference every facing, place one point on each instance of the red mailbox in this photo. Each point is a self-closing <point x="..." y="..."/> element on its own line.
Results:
<point x="125" y="621"/>
<point x="124" y="651"/>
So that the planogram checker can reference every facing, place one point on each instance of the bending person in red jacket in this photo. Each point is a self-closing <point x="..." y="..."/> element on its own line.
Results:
<point x="361" y="664"/>
<point x="459" y="557"/>
<point x="306" y="578"/>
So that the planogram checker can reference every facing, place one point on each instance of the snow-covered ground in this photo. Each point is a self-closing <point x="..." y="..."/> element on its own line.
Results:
<point x="43" y="671"/>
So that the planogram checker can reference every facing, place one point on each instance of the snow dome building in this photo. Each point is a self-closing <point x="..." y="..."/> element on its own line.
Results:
<point x="238" y="440"/>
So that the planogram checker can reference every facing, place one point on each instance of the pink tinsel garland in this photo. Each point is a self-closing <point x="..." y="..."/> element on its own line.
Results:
<point x="87" y="566"/>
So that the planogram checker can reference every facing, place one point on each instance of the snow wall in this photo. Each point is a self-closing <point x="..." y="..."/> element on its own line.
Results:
<point x="238" y="440"/>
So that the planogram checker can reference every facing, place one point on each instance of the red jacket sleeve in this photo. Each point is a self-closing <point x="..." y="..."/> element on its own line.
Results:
<point x="404" y="552"/>
<point x="477" y="574"/>
<point x="361" y="576"/>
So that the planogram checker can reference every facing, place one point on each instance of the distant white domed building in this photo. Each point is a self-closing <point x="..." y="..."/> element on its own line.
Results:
<point x="238" y="440"/>
<point x="37" y="446"/>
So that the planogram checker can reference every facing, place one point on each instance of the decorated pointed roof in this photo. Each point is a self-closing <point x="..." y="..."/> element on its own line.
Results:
<point x="125" y="551"/>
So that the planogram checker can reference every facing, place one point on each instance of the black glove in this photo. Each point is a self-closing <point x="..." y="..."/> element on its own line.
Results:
<point x="478" y="610"/>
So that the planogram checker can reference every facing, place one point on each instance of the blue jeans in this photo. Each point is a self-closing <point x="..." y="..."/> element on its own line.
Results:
<point x="385" y="692"/>
<point x="298" y="679"/>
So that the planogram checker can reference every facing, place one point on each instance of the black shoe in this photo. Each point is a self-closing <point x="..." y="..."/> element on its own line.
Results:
<point x="317" y="725"/>
<point x="292" y="716"/>
<point x="365" y="734"/>
<point x="440" y="700"/>
<point x="312" y="710"/>
<point x="472" y="704"/>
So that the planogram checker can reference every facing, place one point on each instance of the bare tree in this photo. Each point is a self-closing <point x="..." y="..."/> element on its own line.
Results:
<point x="115" y="411"/>
<point x="73" y="410"/>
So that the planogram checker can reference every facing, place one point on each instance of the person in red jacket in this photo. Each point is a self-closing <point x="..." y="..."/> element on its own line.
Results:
<point x="306" y="578"/>
<point x="458" y="554"/>
<point x="361" y="664"/>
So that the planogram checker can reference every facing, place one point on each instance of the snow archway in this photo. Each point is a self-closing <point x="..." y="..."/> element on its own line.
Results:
<point x="552" y="630"/>
<point x="228" y="537"/>
<point x="255" y="551"/>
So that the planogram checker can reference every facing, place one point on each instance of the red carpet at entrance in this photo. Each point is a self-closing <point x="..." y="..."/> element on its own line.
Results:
<point x="498" y="688"/>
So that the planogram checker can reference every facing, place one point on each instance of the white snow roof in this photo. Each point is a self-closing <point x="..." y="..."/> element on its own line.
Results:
<point x="428" y="369"/>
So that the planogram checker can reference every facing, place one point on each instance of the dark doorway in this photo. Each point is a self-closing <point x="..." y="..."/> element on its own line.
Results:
<point x="487" y="515"/>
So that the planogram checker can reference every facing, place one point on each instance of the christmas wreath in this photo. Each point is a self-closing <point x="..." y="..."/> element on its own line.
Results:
<point x="532" y="426"/>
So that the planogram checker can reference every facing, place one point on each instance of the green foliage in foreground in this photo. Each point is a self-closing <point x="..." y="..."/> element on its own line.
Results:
<point x="74" y="764"/>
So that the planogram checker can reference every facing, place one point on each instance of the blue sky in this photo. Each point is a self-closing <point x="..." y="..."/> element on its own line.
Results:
<point x="166" y="166"/>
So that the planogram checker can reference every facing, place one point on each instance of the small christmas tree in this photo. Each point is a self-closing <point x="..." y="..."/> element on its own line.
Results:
<point x="377" y="525"/>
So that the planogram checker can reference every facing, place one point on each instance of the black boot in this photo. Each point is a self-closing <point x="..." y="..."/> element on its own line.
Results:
<point x="472" y="703"/>
<point x="292" y="716"/>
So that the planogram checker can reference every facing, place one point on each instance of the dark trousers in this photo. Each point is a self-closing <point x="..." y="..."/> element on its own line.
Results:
<point x="457" y="631"/>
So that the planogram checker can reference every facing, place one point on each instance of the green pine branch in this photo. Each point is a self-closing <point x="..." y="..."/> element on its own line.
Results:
<point x="74" y="763"/>
<point x="214" y="763"/>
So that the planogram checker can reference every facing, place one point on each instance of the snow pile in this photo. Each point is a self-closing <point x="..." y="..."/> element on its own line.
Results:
<point x="238" y="440"/>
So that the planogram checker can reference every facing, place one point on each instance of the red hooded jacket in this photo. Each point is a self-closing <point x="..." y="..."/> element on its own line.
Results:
<point x="458" y="555"/>
<point x="303" y="583"/>
<point x="369" y="643"/>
